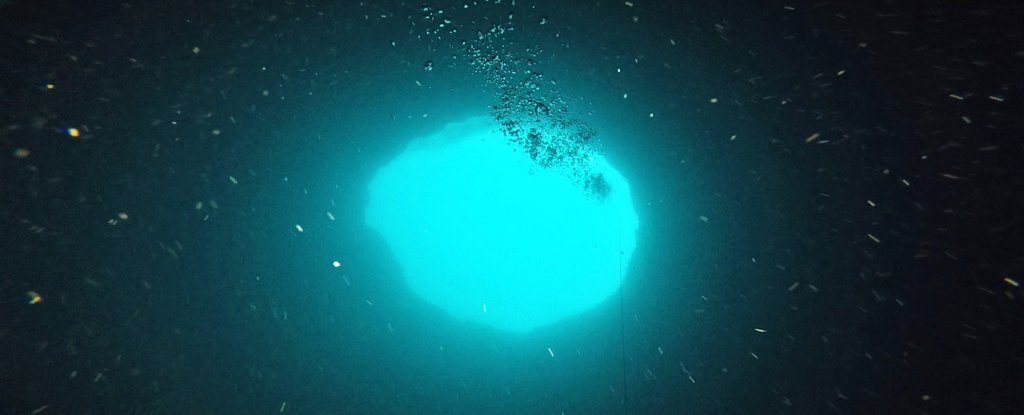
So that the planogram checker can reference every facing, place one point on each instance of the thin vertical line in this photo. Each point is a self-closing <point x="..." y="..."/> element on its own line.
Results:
<point x="622" y="327"/>
<point x="622" y="333"/>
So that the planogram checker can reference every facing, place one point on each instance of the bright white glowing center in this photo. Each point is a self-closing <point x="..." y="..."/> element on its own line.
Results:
<point x="484" y="234"/>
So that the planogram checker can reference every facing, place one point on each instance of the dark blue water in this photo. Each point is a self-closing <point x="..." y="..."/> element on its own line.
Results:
<point x="829" y="200"/>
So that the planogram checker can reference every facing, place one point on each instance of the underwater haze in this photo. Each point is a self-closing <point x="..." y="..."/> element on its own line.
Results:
<point x="511" y="207"/>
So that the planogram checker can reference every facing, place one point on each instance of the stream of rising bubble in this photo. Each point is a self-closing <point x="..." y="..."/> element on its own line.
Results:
<point x="532" y="114"/>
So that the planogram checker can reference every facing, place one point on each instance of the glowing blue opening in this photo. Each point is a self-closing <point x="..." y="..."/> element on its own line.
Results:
<point x="483" y="233"/>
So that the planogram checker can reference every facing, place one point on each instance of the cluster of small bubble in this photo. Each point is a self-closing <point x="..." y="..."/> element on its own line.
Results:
<point x="532" y="114"/>
<point x="437" y="23"/>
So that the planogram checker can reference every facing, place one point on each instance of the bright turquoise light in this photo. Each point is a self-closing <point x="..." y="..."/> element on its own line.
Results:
<point x="483" y="233"/>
